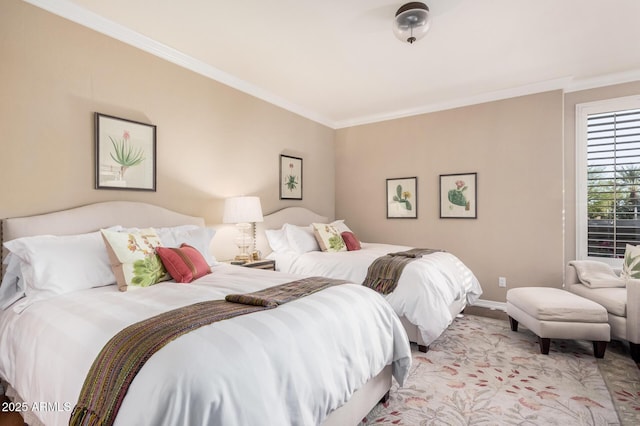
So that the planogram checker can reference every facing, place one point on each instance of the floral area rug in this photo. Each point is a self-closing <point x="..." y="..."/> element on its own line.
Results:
<point x="479" y="372"/>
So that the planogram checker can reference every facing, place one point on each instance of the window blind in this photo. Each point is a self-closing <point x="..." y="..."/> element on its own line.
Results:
<point x="613" y="182"/>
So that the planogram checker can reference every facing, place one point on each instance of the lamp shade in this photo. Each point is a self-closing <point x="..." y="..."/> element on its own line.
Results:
<point x="242" y="210"/>
<point x="411" y="22"/>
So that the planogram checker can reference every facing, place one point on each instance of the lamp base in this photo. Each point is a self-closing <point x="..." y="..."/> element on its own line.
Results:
<point x="242" y="257"/>
<point x="243" y="241"/>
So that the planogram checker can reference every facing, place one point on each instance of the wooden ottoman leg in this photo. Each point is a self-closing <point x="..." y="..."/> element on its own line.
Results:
<point x="599" y="348"/>
<point x="635" y="351"/>
<point x="514" y="324"/>
<point x="544" y="345"/>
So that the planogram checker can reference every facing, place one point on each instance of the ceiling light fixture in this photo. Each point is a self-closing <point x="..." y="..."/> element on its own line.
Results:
<point x="411" y="22"/>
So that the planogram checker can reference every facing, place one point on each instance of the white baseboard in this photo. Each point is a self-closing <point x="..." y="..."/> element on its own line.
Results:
<point x="490" y="304"/>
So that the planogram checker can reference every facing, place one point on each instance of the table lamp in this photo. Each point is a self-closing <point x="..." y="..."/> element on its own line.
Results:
<point x="244" y="212"/>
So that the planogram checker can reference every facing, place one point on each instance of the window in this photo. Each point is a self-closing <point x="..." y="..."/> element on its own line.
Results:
<point x="608" y="178"/>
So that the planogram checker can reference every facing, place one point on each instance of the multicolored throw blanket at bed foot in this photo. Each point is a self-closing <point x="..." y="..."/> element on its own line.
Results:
<point x="283" y="293"/>
<point x="124" y="355"/>
<point x="383" y="274"/>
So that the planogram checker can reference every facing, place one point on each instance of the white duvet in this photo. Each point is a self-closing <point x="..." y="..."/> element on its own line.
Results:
<point x="426" y="289"/>
<point x="291" y="365"/>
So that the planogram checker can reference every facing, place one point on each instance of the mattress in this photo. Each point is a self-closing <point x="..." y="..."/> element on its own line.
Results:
<point x="290" y="365"/>
<point x="426" y="290"/>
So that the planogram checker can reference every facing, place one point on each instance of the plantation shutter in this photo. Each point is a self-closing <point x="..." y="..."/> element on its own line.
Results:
<point x="613" y="182"/>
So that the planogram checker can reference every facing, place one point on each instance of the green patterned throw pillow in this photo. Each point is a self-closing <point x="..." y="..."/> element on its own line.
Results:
<point x="631" y="265"/>
<point x="133" y="258"/>
<point x="328" y="237"/>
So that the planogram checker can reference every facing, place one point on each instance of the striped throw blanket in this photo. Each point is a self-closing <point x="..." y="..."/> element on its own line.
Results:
<point x="283" y="293"/>
<point x="383" y="274"/>
<point x="124" y="355"/>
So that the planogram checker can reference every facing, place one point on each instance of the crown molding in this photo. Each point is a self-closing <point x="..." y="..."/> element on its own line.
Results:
<point x="69" y="10"/>
<point x="603" y="80"/>
<point x="567" y="84"/>
<point x="543" y="86"/>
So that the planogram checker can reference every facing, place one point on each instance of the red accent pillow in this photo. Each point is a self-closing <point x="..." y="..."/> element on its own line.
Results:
<point x="184" y="264"/>
<point x="351" y="240"/>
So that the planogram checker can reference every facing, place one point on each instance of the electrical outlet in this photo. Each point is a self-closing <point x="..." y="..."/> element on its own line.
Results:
<point x="502" y="282"/>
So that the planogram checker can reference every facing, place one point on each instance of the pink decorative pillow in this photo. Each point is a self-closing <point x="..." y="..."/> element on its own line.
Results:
<point x="184" y="264"/>
<point x="351" y="241"/>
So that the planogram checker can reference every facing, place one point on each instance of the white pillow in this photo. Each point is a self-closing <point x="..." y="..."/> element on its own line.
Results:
<point x="53" y="265"/>
<point x="12" y="287"/>
<point x="196" y="236"/>
<point x="596" y="274"/>
<point x="340" y="226"/>
<point x="301" y="238"/>
<point x="167" y="235"/>
<point x="277" y="239"/>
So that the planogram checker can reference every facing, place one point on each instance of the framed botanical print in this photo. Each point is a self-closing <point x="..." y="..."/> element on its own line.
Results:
<point x="290" y="178"/>
<point x="459" y="196"/>
<point x="402" y="198"/>
<point x="125" y="154"/>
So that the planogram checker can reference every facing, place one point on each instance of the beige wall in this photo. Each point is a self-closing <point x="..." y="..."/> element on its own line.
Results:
<point x="571" y="100"/>
<point x="514" y="145"/>
<point x="213" y="141"/>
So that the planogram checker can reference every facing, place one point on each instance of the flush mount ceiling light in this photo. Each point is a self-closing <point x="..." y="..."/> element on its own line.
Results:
<point x="411" y="22"/>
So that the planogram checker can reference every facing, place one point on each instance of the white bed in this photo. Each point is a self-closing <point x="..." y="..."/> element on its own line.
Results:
<point x="430" y="293"/>
<point x="296" y="364"/>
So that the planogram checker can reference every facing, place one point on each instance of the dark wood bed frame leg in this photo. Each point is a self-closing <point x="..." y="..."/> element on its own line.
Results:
<point x="514" y="324"/>
<point x="385" y="397"/>
<point x="423" y="348"/>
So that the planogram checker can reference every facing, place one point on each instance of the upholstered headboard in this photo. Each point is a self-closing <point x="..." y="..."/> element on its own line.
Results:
<point x="294" y="215"/>
<point x="92" y="217"/>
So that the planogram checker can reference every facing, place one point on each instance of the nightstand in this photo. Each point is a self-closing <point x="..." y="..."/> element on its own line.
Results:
<point x="269" y="265"/>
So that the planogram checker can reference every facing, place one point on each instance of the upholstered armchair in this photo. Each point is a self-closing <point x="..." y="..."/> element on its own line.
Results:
<point x="622" y="304"/>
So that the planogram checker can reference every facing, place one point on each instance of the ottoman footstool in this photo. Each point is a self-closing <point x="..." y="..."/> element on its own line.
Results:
<point x="552" y="313"/>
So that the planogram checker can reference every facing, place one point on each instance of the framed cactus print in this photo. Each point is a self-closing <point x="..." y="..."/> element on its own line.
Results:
<point x="125" y="154"/>
<point x="290" y="178"/>
<point x="402" y="198"/>
<point x="459" y="196"/>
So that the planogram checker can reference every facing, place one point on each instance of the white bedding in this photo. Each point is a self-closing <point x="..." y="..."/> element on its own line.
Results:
<point x="290" y="365"/>
<point x="426" y="289"/>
